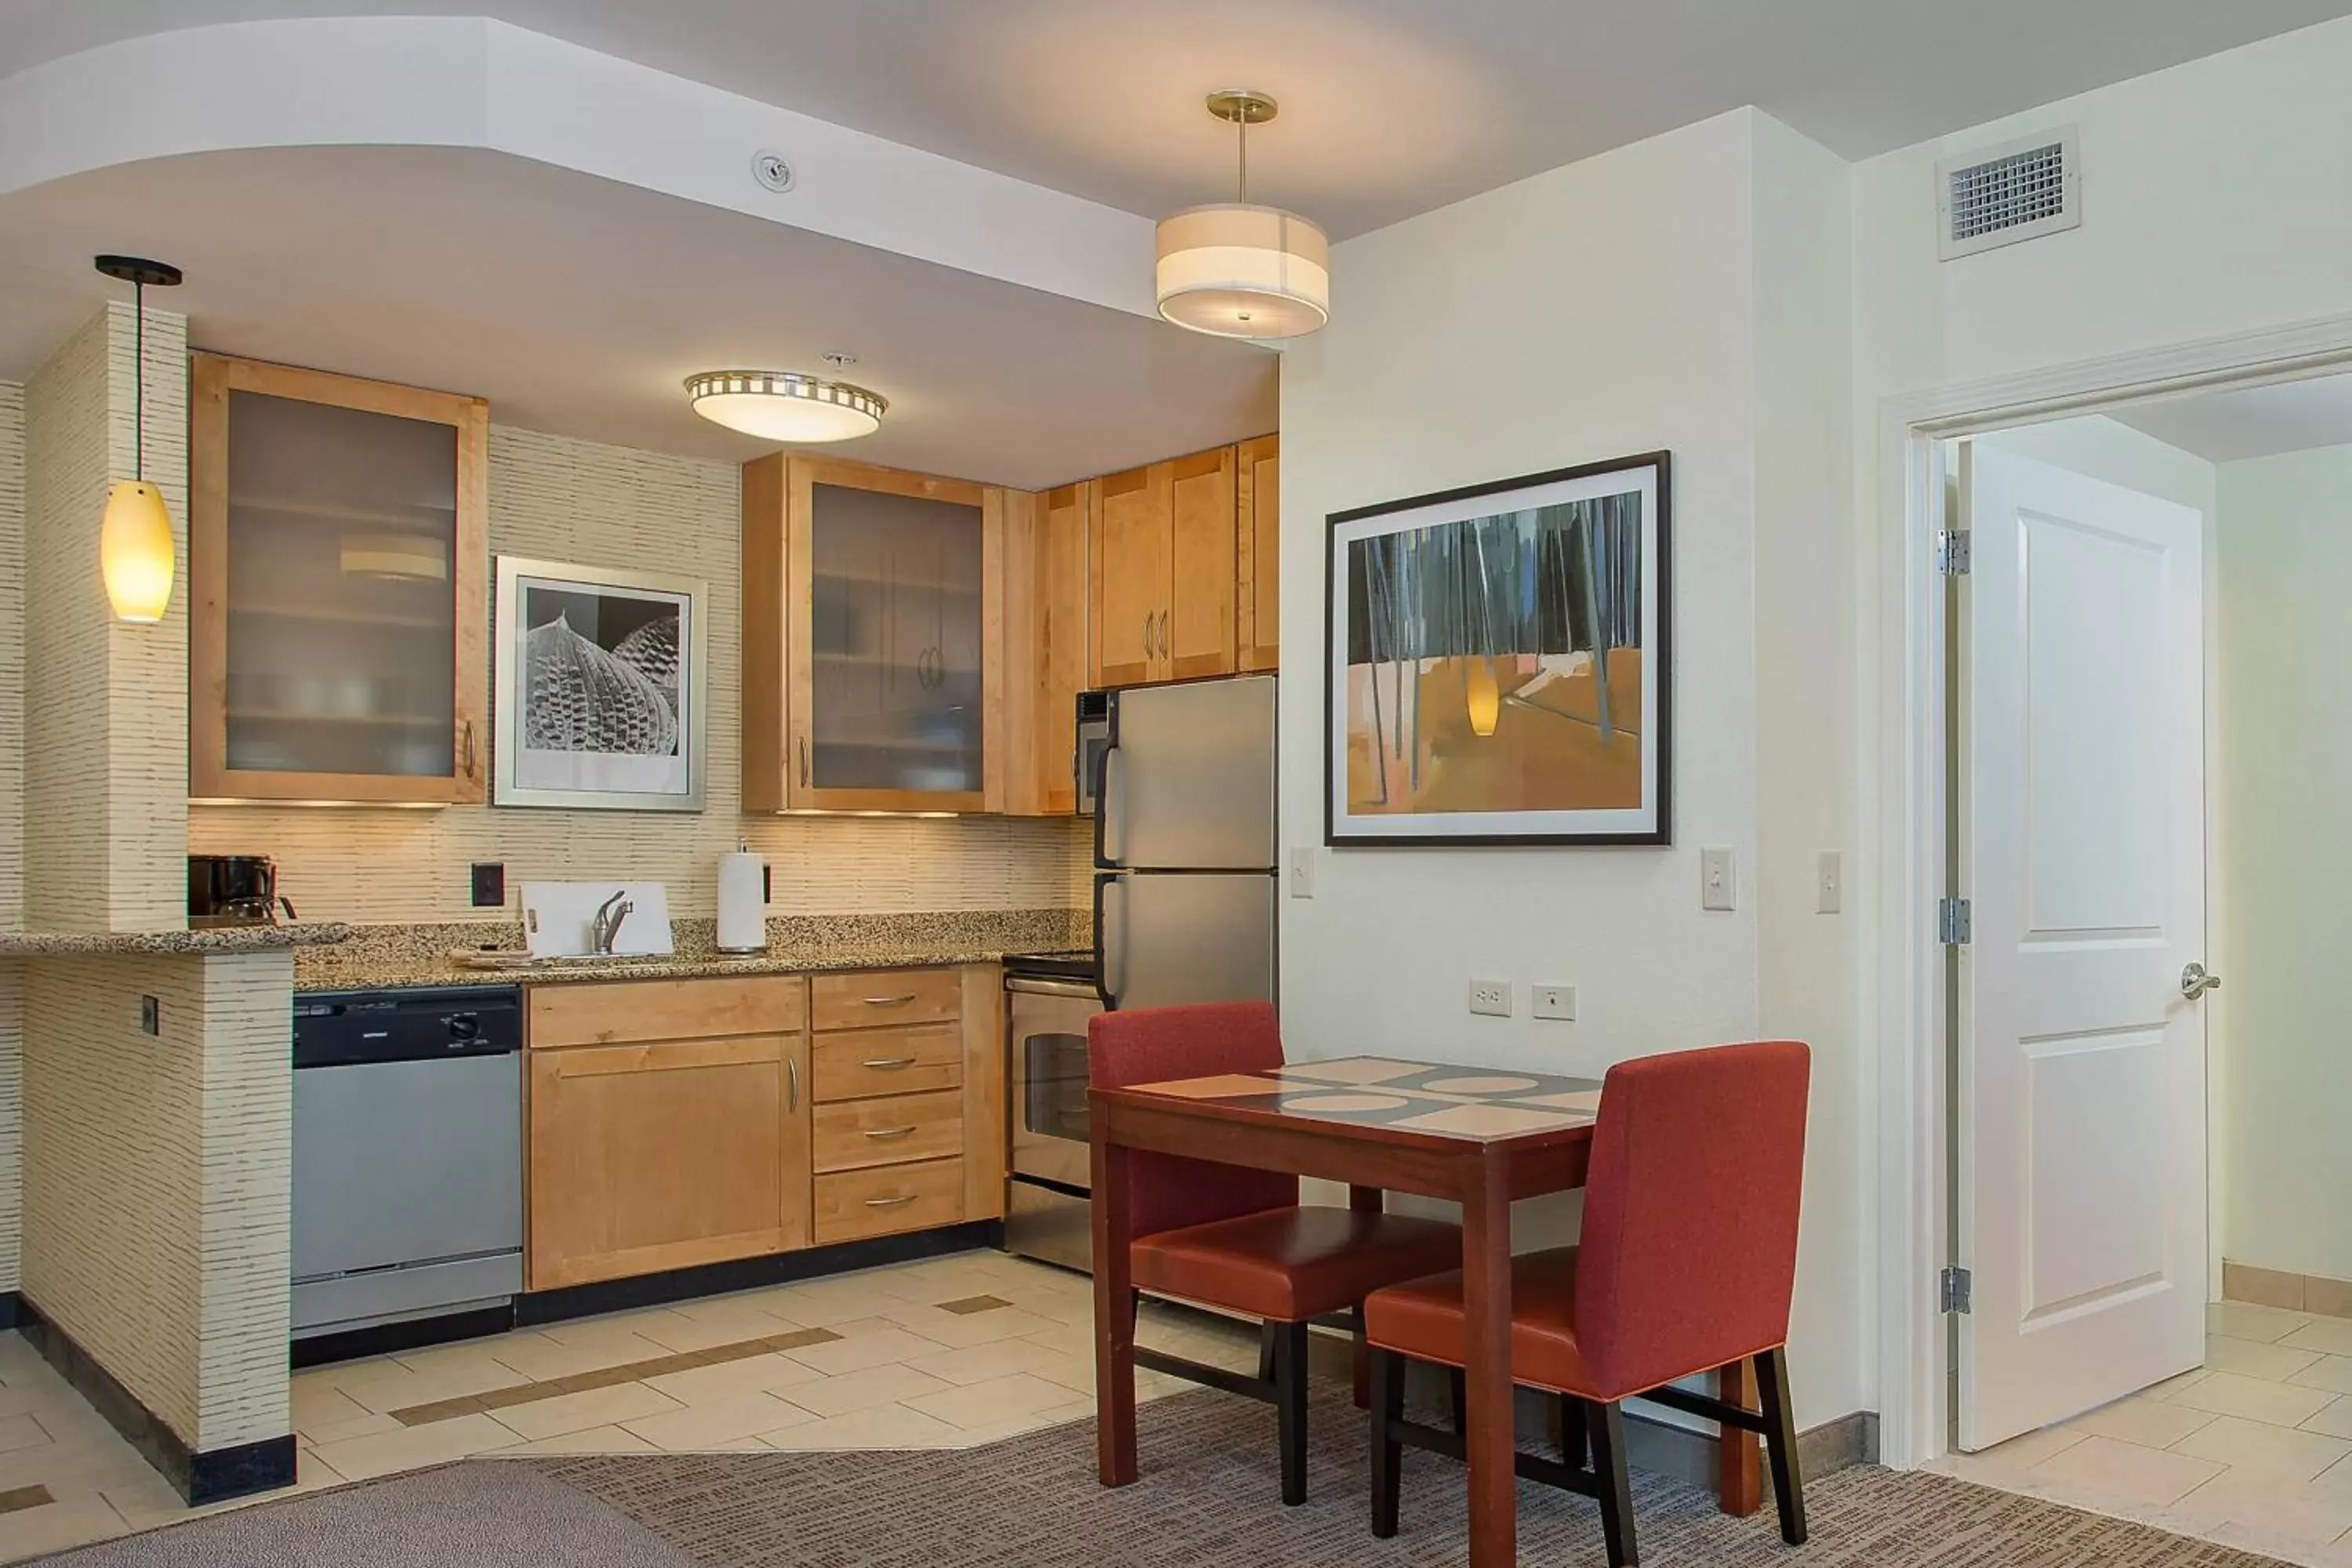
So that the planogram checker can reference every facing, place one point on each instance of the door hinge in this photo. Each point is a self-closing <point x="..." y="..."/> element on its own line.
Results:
<point x="1952" y="553"/>
<point x="1952" y="921"/>
<point x="1954" y="1287"/>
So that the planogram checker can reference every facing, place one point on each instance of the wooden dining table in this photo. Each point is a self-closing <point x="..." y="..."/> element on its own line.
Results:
<point x="1479" y="1137"/>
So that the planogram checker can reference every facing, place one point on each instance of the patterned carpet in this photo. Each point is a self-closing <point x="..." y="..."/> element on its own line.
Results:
<point x="1207" y="1498"/>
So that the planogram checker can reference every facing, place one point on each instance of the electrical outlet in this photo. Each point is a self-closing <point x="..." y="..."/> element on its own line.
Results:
<point x="1555" y="1001"/>
<point x="1718" y="880"/>
<point x="151" y="1016"/>
<point x="489" y="884"/>
<point x="1302" y="873"/>
<point x="1491" y="997"/>
<point x="1829" y="883"/>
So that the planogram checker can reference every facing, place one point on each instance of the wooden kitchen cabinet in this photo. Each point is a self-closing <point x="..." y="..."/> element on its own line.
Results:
<point x="669" y="1125"/>
<point x="873" y="639"/>
<point x="1257" y="594"/>
<point x="1045" y="620"/>
<point x="680" y="1123"/>
<point x="664" y="1154"/>
<point x="1164" y="571"/>
<point x="338" y="558"/>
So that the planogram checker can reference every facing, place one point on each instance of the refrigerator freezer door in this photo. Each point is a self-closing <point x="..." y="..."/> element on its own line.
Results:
<point x="1170" y="937"/>
<point x="1191" y="778"/>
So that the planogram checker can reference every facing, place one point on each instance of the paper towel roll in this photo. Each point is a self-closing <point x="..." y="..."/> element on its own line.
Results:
<point x="743" y="902"/>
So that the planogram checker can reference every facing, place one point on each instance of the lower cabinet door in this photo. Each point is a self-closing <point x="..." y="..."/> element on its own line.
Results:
<point x="666" y="1155"/>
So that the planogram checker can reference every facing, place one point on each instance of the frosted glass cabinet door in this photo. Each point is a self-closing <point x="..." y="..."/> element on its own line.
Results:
<point x="895" y="683"/>
<point x="337" y="561"/>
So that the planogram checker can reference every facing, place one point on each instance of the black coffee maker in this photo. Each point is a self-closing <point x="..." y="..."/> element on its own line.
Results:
<point x="234" y="890"/>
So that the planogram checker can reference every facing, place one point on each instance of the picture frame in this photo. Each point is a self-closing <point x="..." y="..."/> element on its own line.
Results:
<point x="1498" y="663"/>
<point x="601" y="685"/>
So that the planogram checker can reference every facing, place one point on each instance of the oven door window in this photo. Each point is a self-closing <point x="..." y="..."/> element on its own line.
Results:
<point x="1053" y="1086"/>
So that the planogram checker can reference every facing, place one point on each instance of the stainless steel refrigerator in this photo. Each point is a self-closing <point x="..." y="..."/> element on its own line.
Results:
<point x="1184" y="844"/>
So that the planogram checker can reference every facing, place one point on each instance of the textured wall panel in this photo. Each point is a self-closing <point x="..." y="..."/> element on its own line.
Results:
<point x="580" y="501"/>
<point x="105" y="705"/>
<point x="156" y="1173"/>
<point x="12" y="807"/>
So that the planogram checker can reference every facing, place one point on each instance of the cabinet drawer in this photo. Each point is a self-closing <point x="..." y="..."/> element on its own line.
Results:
<point x="884" y="997"/>
<point x="593" y="1012"/>
<point x="898" y="1130"/>
<point x="888" y="1061"/>
<point x="889" y="1198"/>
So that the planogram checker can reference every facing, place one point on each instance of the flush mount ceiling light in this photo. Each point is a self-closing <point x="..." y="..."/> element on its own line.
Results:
<point x="134" y="538"/>
<point x="1236" y="270"/>
<point x="785" y="406"/>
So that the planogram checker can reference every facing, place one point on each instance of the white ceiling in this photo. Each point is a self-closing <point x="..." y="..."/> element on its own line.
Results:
<point x="579" y="305"/>
<point x="1391" y="107"/>
<point x="2251" y="422"/>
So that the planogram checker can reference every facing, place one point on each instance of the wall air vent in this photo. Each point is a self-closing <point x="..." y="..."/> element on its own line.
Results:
<point x="1999" y="196"/>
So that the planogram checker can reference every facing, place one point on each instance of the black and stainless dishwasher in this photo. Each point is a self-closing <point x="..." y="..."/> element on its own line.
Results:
<point x="407" y="1154"/>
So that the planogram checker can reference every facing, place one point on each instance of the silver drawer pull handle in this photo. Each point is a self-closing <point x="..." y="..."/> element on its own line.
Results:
<point x="889" y="1202"/>
<point x="888" y="1064"/>
<point x="882" y="1133"/>
<point x="890" y="1001"/>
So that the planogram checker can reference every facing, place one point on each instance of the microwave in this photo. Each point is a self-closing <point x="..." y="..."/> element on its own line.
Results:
<point x="1094" y="740"/>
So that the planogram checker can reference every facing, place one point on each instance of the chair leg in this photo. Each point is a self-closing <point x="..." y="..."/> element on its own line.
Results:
<point x="1605" y="1424"/>
<point x="1459" y="1383"/>
<point x="1359" y="1359"/>
<point x="1266" y="1334"/>
<point x="1781" y="1443"/>
<point x="1290" y="1408"/>
<point x="1575" y="1452"/>
<point x="1388" y="1454"/>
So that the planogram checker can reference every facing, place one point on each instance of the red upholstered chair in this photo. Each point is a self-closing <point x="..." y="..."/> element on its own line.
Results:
<point x="1238" y="1239"/>
<point x="1688" y="1257"/>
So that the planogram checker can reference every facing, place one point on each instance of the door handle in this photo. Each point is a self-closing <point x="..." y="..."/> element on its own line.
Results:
<point x="792" y="1084"/>
<point x="890" y="1203"/>
<point x="804" y="771"/>
<point x="888" y="1064"/>
<point x="1163" y="634"/>
<point x="888" y="1134"/>
<point x="2195" y="982"/>
<point x="899" y="1001"/>
<point x="471" y="771"/>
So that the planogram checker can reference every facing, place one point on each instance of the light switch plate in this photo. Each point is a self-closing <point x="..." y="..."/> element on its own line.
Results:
<point x="1718" y="880"/>
<point x="1829" y="883"/>
<point x="1302" y="873"/>
<point x="1491" y="998"/>
<point x="1555" y="1001"/>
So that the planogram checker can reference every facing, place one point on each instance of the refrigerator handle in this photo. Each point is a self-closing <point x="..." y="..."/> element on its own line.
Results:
<point x="1103" y="970"/>
<point x="1103" y="861"/>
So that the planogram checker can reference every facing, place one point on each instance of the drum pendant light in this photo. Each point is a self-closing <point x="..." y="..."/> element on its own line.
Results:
<point x="135" y="553"/>
<point x="1237" y="271"/>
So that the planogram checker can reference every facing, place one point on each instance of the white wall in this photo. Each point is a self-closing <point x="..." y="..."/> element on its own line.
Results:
<point x="2285" y="576"/>
<point x="1598" y="309"/>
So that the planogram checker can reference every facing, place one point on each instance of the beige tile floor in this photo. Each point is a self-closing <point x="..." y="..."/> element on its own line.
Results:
<point x="2254" y="1449"/>
<point x="895" y="1370"/>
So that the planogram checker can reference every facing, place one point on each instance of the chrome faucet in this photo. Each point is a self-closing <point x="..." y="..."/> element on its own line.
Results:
<point x="606" y="926"/>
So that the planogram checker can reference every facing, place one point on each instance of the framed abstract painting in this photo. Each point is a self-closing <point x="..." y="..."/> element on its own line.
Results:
<point x="1499" y="666"/>
<point x="599" y="686"/>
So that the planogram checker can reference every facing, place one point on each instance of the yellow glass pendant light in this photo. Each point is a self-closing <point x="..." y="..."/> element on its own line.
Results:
<point x="135" y="553"/>
<point x="1238" y="270"/>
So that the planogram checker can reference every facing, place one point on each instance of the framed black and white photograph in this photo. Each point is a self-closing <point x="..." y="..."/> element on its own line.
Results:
<point x="600" y="686"/>
<point x="1498" y="667"/>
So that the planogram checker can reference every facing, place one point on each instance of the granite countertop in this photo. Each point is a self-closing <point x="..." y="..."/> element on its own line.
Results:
<point x="220" y="940"/>
<point x="391" y="957"/>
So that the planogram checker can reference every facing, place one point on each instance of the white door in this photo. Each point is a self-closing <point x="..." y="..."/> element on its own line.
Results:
<point x="2082" y="1070"/>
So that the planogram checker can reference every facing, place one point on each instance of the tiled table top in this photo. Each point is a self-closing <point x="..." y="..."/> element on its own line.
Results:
<point x="1468" y="1103"/>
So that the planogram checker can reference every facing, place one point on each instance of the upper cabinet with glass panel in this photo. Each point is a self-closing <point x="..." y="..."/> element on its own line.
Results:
<point x="338" y="559"/>
<point x="873" y="615"/>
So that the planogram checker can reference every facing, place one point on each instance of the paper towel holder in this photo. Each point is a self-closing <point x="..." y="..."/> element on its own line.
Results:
<point x="744" y="904"/>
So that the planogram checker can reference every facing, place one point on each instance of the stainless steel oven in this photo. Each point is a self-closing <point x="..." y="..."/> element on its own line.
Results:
<point x="1047" y="1212"/>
